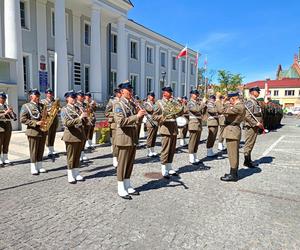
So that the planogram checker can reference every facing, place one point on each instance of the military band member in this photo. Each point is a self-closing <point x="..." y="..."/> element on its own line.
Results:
<point x="126" y="139"/>
<point x="151" y="130"/>
<point x="234" y="113"/>
<point x="212" y="125"/>
<point x="73" y="122"/>
<point x="196" y="110"/>
<point x="81" y="105"/>
<point x="31" y="115"/>
<point x="253" y="122"/>
<point x="113" y="126"/>
<point x="92" y="119"/>
<point x="220" y="106"/>
<point x="48" y="101"/>
<point x="183" y="131"/>
<point x="165" y="113"/>
<point x="6" y="115"/>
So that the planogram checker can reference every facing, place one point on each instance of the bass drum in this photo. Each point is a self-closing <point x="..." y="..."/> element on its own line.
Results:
<point x="181" y="121"/>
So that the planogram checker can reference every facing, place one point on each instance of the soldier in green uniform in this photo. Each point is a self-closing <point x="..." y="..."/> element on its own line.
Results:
<point x="253" y="122"/>
<point x="48" y="101"/>
<point x="152" y="129"/>
<point x="220" y="106"/>
<point x="165" y="113"/>
<point x="113" y="126"/>
<point x="126" y="119"/>
<point x="234" y="112"/>
<point x="6" y="115"/>
<point x="183" y="130"/>
<point x="92" y="119"/>
<point x="196" y="110"/>
<point x="31" y="115"/>
<point x="73" y="120"/>
<point x="212" y="125"/>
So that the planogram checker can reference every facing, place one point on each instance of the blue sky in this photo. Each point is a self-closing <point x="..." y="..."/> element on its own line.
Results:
<point x="249" y="37"/>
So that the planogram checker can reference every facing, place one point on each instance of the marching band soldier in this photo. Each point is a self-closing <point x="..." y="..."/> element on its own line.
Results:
<point x="113" y="126"/>
<point x="31" y="115"/>
<point x="152" y="130"/>
<point x="48" y="101"/>
<point x="253" y="122"/>
<point x="92" y="119"/>
<point x="73" y="121"/>
<point x="212" y="125"/>
<point x="184" y="129"/>
<point x="126" y="139"/>
<point x="168" y="129"/>
<point x="139" y="124"/>
<point x="81" y="105"/>
<point x="196" y="111"/>
<point x="234" y="113"/>
<point x="6" y="115"/>
<point x="220" y="106"/>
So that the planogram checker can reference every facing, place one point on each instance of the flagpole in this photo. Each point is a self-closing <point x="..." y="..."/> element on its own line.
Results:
<point x="186" y="71"/>
<point x="197" y="58"/>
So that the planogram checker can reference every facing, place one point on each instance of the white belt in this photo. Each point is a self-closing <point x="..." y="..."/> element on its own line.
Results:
<point x="171" y="120"/>
<point x="195" y="117"/>
<point x="4" y="120"/>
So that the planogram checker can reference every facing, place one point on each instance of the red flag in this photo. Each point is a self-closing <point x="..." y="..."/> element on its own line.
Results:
<point x="182" y="53"/>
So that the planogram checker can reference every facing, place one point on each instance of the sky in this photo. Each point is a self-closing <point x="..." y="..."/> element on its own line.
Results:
<point x="247" y="37"/>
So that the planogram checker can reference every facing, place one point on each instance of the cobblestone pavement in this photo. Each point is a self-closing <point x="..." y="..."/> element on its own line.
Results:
<point x="193" y="211"/>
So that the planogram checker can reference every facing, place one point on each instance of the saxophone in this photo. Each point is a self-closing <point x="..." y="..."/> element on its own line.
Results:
<point x="172" y="109"/>
<point x="49" y="116"/>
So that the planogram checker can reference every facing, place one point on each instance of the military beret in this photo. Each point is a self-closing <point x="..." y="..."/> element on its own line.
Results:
<point x="168" y="89"/>
<point x="256" y="88"/>
<point x="89" y="94"/>
<point x="194" y="91"/>
<point x="80" y="93"/>
<point x="34" y="91"/>
<point x="49" y="91"/>
<point x="184" y="98"/>
<point x="71" y="94"/>
<point x="117" y="91"/>
<point x="151" y="93"/>
<point x="233" y="93"/>
<point x="125" y="85"/>
<point x="212" y="97"/>
<point x="3" y="95"/>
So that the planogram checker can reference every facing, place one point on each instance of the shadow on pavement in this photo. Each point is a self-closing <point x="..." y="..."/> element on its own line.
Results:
<point x="265" y="160"/>
<point x="193" y="168"/>
<point x="246" y="172"/>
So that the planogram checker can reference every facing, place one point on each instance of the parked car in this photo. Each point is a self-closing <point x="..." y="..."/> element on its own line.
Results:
<point x="294" y="111"/>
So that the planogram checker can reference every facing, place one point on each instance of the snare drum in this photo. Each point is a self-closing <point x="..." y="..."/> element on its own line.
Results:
<point x="181" y="121"/>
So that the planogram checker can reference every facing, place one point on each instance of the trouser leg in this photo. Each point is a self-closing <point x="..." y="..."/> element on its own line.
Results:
<point x="151" y="138"/>
<point x="41" y="148"/>
<point x="33" y="147"/>
<point x="220" y="137"/>
<point x="250" y="138"/>
<point x="172" y="148"/>
<point x="212" y="134"/>
<point x="129" y="167"/>
<point x="233" y="153"/>
<point x="193" y="141"/>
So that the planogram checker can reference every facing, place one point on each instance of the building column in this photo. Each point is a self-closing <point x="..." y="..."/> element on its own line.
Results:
<point x="77" y="38"/>
<point x="42" y="39"/>
<point x="95" y="55"/>
<point x="13" y="39"/>
<point x="179" y="78"/>
<point x="142" y="84"/>
<point x="169" y="67"/>
<point x="157" y="89"/>
<point x="188" y="76"/>
<point x="122" y="43"/>
<point x="61" y="57"/>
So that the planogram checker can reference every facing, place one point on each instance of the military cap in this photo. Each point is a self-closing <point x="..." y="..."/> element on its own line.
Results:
<point x="80" y="93"/>
<point x="34" y="91"/>
<point x="168" y="89"/>
<point x="212" y="97"/>
<point x="117" y="91"/>
<point x="71" y="94"/>
<point x="49" y="91"/>
<point x="195" y="92"/>
<point x="137" y="97"/>
<point x="256" y="88"/>
<point x="233" y="93"/>
<point x="125" y="85"/>
<point x="2" y="95"/>
<point x="151" y="93"/>
<point x="184" y="98"/>
<point x="89" y="94"/>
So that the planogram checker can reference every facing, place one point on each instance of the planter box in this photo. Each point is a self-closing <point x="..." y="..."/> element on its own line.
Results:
<point x="98" y="134"/>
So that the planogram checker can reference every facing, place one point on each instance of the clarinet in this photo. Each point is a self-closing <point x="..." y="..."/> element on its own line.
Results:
<point x="148" y="117"/>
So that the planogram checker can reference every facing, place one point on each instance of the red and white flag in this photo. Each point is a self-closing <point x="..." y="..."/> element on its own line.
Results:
<point x="182" y="53"/>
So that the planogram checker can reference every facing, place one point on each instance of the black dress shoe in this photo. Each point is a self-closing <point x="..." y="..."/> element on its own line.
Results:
<point x="36" y="173"/>
<point x="166" y="177"/>
<point x="135" y="193"/>
<point x="250" y="164"/>
<point x="229" y="177"/>
<point x="72" y="182"/>
<point x="196" y="163"/>
<point x="126" y="197"/>
<point x="175" y="174"/>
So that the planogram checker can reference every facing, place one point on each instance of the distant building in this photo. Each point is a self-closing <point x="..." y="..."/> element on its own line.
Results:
<point x="293" y="72"/>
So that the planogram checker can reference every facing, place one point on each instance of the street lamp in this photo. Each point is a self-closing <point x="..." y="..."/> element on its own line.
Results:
<point x="163" y="74"/>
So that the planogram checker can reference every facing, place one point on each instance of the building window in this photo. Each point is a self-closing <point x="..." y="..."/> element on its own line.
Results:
<point x="173" y="62"/>
<point x="163" y="59"/>
<point x="113" y="82"/>
<point x="133" y="80"/>
<point x="86" y="78"/>
<point x="26" y="70"/>
<point x="87" y="34"/>
<point x="149" y="55"/>
<point x="183" y="89"/>
<point x="183" y="66"/>
<point x="276" y="92"/>
<point x="114" y="42"/>
<point x="192" y="69"/>
<point x="149" y="84"/>
<point x="289" y="92"/>
<point x="133" y="50"/>
<point x="24" y="14"/>
<point x="52" y="23"/>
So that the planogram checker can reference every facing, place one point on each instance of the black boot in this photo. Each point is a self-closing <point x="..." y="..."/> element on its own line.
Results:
<point x="233" y="176"/>
<point x="248" y="163"/>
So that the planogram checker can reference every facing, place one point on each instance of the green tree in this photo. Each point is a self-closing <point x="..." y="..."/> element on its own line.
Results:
<point x="228" y="81"/>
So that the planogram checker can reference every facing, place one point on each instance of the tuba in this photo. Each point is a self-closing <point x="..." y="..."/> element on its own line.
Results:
<point x="171" y="109"/>
<point x="49" y="116"/>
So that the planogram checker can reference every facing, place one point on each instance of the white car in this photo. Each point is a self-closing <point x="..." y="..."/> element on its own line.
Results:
<point x="294" y="111"/>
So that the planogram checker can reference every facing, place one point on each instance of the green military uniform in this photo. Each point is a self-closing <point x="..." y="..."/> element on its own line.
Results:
<point x="113" y="126"/>
<point x="221" y="118"/>
<point x="212" y="125"/>
<point x="232" y="133"/>
<point x="30" y="114"/>
<point x="151" y="130"/>
<point x="126" y="140"/>
<point x="168" y="130"/>
<point x="253" y="115"/>
<point x="52" y="130"/>
<point x="183" y="130"/>
<point x="5" y="132"/>
<point x="196" y="111"/>
<point x="73" y="137"/>
<point x="91" y="123"/>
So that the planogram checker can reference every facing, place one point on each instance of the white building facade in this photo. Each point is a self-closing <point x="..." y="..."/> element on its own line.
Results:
<point x="85" y="44"/>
